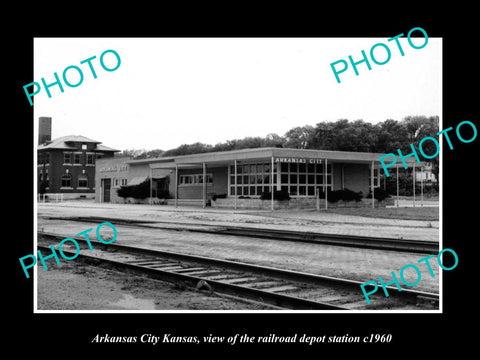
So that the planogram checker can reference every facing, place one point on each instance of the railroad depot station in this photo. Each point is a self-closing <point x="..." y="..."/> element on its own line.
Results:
<point x="78" y="167"/>
<point x="237" y="179"/>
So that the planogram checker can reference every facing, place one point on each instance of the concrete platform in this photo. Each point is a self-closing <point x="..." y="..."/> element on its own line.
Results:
<point x="313" y="221"/>
<point x="351" y="263"/>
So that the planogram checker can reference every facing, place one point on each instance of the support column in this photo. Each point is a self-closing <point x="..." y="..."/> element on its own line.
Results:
<point x="372" y="183"/>
<point x="176" y="185"/>
<point x="271" y="181"/>
<point x="343" y="177"/>
<point x="398" y="186"/>
<point x="421" y="185"/>
<point x="151" y="183"/>
<point x="325" y="189"/>
<point x="204" y="186"/>
<point x="236" y="188"/>
<point x="413" y="184"/>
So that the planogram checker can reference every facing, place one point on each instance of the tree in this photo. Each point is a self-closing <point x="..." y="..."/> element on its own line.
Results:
<point x="424" y="127"/>
<point x="274" y="140"/>
<point x="133" y="153"/>
<point x="322" y="136"/>
<point x="186" y="149"/>
<point x="343" y="135"/>
<point x="299" y="137"/>
<point x="391" y="135"/>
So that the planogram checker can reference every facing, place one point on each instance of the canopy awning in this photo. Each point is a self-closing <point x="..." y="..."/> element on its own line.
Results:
<point x="137" y="180"/>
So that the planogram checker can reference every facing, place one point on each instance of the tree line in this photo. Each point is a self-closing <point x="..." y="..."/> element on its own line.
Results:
<point x="340" y="135"/>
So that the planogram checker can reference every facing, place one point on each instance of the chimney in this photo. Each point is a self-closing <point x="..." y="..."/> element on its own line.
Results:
<point x="44" y="130"/>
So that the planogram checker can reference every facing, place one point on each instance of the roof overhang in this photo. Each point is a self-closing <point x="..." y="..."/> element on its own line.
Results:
<point x="265" y="154"/>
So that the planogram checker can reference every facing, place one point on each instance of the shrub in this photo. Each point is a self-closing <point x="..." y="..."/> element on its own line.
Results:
<point x="343" y="194"/>
<point x="163" y="194"/>
<point x="349" y="195"/>
<point x="378" y="194"/>
<point x="140" y="191"/>
<point x="218" y="196"/>
<point x="124" y="191"/>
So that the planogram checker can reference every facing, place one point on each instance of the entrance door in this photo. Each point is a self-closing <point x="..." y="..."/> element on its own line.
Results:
<point x="106" y="183"/>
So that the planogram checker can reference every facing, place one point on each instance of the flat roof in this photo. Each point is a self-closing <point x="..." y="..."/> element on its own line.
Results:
<point x="227" y="157"/>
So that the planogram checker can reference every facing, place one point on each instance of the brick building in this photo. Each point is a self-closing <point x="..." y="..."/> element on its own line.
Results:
<point x="66" y="165"/>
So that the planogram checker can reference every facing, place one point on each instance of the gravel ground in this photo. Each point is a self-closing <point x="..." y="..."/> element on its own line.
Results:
<point x="344" y="262"/>
<point x="290" y="220"/>
<point x="74" y="286"/>
<point x="77" y="286"/>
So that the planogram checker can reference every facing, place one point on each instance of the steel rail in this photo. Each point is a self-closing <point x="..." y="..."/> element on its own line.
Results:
<point x="378" y="243"/>
<point x="276" y="299"/>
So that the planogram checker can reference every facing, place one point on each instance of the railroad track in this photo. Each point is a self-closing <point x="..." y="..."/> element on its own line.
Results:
<point x="281" y="288"/>
<point x="378" y="243"/>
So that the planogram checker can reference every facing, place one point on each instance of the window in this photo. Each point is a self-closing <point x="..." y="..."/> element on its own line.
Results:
<point x="376" y="177"/>
<point x="194" y="179"/>
<point x="295" y="178"/>
<point x="67" y="158"/>
<point x="124" y="182"/>
<point x="83" y="181"/>
<point x="47" y="158"/>
<point x="115" y="182"/>
<point x="77" y="158"/>
<point x="66" y="181"/>
<point x="253" y="181"/>
<point x="84" y="146"/>
<point x="90" y="159"/>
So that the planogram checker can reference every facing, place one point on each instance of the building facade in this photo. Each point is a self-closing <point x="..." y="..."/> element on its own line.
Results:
<point x="246" y="173"/>
<point x="66" y="165"/>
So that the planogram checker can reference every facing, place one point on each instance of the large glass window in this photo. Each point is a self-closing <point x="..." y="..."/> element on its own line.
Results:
<point x="253" y="181"/>
<point x="299" y="179"/>
<point x="295" y="178"/>
<point x="194" y="179"/>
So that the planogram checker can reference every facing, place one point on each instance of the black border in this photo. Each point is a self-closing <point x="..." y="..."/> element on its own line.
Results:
<point x="423" y="333"/>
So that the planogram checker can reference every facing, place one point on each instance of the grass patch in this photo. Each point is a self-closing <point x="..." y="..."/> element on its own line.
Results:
<point x="406" y="213"/>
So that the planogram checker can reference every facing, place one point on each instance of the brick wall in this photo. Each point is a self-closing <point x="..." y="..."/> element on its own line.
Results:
<point x="56" y="169"/>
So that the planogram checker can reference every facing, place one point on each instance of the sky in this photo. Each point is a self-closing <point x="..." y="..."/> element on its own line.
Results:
<point x="172" y="91"/>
